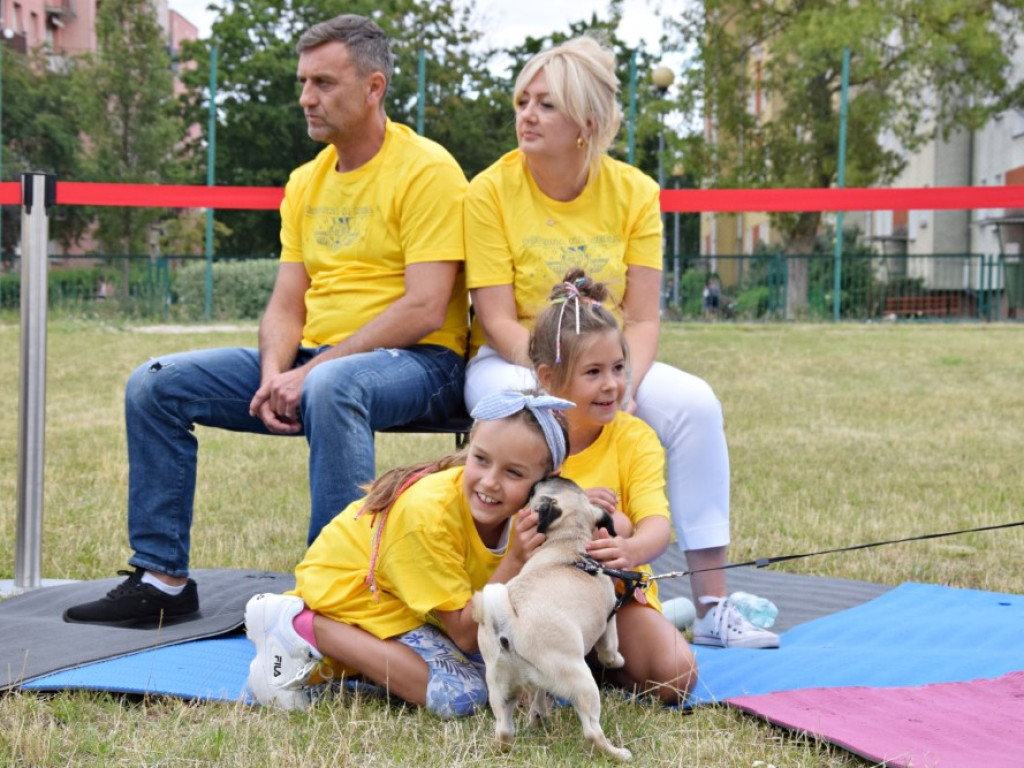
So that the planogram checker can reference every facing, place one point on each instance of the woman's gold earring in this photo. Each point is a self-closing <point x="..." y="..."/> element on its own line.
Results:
<point x="580" y="142"/>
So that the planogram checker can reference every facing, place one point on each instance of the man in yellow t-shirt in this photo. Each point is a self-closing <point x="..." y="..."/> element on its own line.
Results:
<point x="365" y="328"/>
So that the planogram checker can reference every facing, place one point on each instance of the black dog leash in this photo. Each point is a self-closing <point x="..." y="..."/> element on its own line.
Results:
<point x="763" y="562"/>
<point x="638" y="581"/>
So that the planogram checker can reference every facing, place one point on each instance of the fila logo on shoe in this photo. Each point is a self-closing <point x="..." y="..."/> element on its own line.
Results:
<point x="278" y="661"/>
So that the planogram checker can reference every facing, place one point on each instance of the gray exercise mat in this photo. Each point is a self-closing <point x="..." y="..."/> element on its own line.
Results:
<point x="799" y="598"/>
<point x="35" y="640"/>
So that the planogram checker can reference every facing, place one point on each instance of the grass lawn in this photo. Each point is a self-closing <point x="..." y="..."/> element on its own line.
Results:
<point x="839" y="435"/>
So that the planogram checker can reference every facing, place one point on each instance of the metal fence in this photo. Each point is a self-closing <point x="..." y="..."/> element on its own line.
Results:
<point x="165" y="288"/>
<point x="947" y="287"/>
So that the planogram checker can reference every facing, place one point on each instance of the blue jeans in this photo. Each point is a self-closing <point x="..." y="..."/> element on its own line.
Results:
<point x="343" y="402"/>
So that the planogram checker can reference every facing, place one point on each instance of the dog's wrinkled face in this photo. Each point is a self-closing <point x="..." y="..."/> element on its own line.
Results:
<point x="552" y="495"/>
<point x="548" y="511"/>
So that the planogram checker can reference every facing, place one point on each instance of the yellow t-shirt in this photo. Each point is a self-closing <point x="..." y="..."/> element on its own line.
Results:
<point x="516" y="235"/>
<point x="356" y="232"/>
<point x="627" y="458"/>
<point x="430" y="559"/>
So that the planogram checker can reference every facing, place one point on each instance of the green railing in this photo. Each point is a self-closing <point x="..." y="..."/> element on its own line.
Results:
<point x="872" y="287"/>
<point x="167" y="288"/>
<point x="759" y="287"/>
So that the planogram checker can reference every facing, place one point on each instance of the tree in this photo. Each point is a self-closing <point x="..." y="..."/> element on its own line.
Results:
<point x="42" y="124"/>
<point x="133" y="125"/>
<point x="261" y="133"/>
<point x="651" y="107"/>
<point x="918" y="70"/>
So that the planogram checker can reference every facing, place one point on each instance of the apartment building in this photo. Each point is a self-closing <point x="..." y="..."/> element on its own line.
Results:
<point x="990" y="156"/>
<point x="728" y="234"/>
<point x="68" y="27"/>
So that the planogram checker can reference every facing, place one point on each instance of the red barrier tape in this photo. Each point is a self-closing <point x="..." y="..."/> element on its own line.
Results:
<point x="10" y="193"/>
<point x="672" y="200"/>
<point x="155" y="195"/>
<point x="861" y="199"/>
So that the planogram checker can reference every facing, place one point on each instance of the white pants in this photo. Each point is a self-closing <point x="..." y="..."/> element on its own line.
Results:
<point x="687" y="416"/>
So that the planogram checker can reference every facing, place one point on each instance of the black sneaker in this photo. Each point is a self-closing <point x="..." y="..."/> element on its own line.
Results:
<point x="134" y="604"/>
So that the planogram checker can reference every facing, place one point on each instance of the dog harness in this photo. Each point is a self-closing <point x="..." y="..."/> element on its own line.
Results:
<point x="635" y="582"/>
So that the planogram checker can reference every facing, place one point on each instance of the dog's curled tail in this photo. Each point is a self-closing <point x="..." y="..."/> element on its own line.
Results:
<point x="493" y="609"/>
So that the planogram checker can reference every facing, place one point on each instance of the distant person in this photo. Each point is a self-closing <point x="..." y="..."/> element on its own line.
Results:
<point x="365" y="328"/>
<point x="560" y="201"/>
<point x="712" y="296"/>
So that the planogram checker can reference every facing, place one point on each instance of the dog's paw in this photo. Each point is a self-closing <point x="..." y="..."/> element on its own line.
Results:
<point x="611" y="661"/>
<point x="601" y="744"/>
<point x="540" y="708"/>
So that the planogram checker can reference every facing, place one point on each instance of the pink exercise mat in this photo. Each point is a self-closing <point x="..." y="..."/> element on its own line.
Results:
<point x="942" y="725"/>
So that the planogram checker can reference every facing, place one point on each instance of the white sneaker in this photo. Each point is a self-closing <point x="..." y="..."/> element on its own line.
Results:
<point x="725" y="627"/>
<point x="284" y="663"/>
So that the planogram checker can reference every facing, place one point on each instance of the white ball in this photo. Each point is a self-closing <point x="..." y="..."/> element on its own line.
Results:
<point x="680" y="612"/>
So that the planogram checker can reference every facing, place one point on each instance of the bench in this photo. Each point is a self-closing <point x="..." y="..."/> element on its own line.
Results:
<point x="930" y="305"/>
<point x="457" y="425"/>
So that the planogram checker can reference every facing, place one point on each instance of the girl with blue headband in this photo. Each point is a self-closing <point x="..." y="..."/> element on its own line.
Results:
<point x="384" y="592"/>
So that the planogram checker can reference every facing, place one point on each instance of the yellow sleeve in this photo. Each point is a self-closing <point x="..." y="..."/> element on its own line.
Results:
<point x="643" y="242"/>
<point x="426" y="547"/>
<point x="431" y="214"/>
<point x="488" y="255"/>
<point x="291" y="211"/>
<point x="427" y="572"/>
<point x="643" y="472"/>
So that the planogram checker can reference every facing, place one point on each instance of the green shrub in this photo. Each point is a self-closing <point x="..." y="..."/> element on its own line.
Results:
<point x="241" y="289"/>
<point x="64" y="285"/>
<point x="691" y="292"/>
<point x="10" y="290"/>
<point x="753" y="303"/>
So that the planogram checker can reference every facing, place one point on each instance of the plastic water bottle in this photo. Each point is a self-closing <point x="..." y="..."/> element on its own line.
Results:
<point x="680" y="612"/>
<point x="759" y="611"/>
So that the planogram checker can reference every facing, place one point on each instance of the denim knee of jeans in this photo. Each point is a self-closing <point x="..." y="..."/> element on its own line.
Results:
<point x="457" y="686"/>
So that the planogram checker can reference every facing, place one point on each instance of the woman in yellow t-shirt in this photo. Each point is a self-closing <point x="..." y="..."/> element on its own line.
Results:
<point x="560" y="201"/>
<point x="384" y="592"/>
<point x="579" y="353"/>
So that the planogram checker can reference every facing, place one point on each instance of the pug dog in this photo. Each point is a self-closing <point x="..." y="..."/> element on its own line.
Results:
<point x="536" y="630"/>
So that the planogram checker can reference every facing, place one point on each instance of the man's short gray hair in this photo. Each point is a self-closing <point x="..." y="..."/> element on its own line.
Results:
<point x="367" y="44"/>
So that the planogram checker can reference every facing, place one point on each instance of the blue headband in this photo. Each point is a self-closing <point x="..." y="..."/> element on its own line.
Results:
<point x="501" y="405"/>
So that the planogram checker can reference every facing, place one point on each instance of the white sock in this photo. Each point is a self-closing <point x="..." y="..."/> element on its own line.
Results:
<point x="149" y="578"/>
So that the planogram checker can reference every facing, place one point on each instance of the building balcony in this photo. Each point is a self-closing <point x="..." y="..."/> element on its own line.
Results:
<point x="61" y="9"/>
<point x="16" y="41"/>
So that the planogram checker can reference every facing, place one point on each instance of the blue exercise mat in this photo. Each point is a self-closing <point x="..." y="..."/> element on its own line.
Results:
<point x="913" y="635"/>
<point x="36" y="641"/>
<point x="212" y="670"/>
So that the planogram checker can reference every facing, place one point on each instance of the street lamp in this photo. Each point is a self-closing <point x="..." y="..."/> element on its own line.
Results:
<point x="662" y="77"/>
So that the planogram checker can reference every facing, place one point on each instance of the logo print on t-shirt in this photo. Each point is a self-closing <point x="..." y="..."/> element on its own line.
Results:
<point x="575" y="255"/>
<point x="340" y="228"/>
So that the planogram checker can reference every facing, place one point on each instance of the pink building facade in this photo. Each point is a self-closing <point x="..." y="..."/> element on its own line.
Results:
<point x="68" y="27"/>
